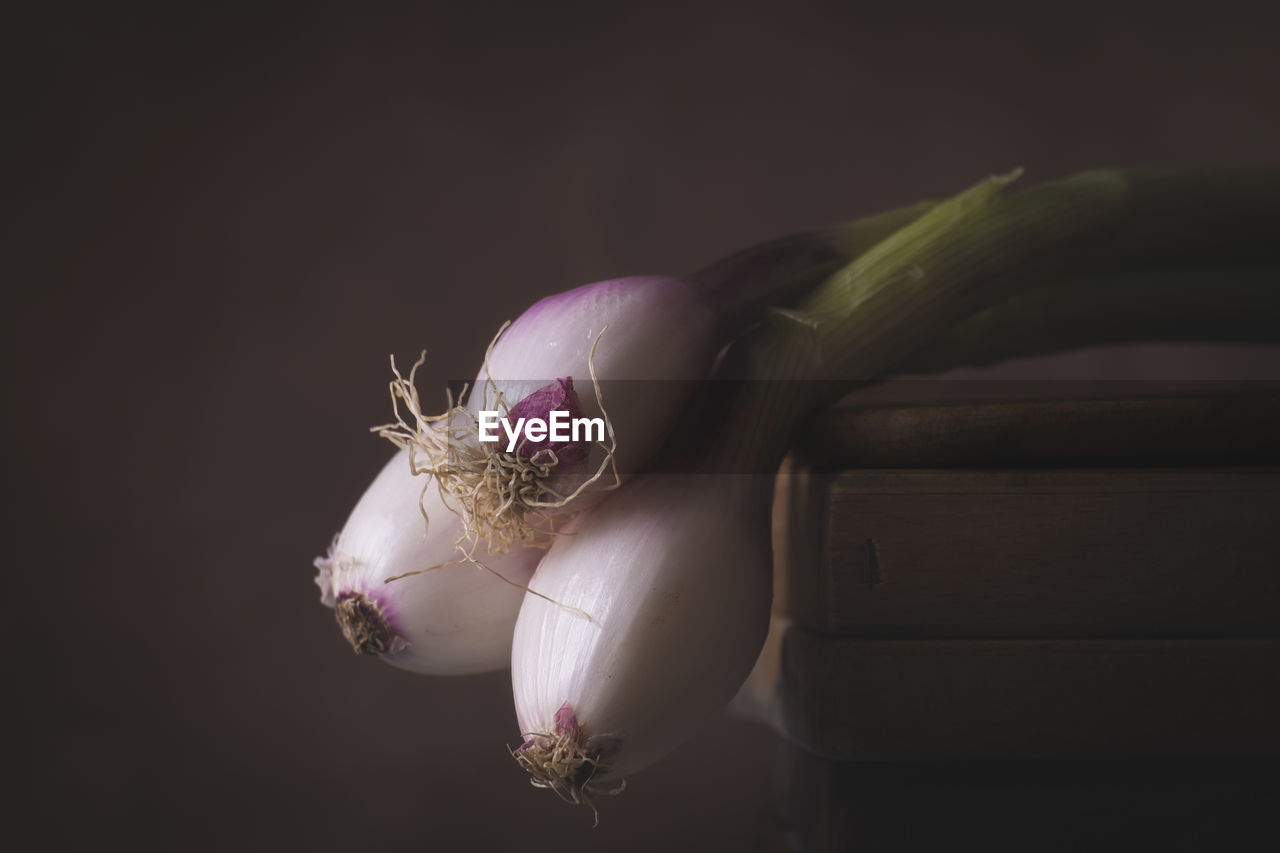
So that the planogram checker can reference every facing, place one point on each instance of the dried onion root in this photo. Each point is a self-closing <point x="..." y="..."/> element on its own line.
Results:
<point x="563" y="762"/>
<point x="503" y="498"/>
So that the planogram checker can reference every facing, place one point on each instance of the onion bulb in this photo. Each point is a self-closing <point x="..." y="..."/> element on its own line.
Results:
<point x="673" y="574"/>
<point x="443" y="614"/>
<point x="655" y="334"/>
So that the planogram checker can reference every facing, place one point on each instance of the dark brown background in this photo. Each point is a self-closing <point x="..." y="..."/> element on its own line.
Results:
<point x="225" y="218"/>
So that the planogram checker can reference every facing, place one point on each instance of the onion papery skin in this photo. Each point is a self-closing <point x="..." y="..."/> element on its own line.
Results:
<point x="676" y="579"/>
<point x="453" y="620"/>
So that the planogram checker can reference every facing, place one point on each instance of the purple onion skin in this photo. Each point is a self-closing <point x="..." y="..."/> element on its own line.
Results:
<point x="558" y="396"/>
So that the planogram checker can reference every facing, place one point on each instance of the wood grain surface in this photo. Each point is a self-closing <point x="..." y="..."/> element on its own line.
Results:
<point x="897" y="700"/>
<point x="1134" y="552"/>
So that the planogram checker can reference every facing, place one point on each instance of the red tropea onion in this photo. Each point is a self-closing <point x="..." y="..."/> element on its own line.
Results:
<point x="429" y="571"/>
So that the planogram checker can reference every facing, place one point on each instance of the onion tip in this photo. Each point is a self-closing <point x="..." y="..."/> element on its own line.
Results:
<point x="363" y="624"/>
<point x="566" y="761"/>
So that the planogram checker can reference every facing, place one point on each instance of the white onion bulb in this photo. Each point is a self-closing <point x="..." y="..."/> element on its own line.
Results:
<point x="450" y="620"/>
<point x="653" y="337"/>
<point x="675" y="576"/>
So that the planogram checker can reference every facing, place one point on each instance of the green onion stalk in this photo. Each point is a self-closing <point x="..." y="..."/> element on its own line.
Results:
<point x="1100" y="233"/>
<point x="1238" y="305"/>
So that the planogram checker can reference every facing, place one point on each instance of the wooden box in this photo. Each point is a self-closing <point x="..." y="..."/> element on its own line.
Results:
<point x="1089" y="575"/>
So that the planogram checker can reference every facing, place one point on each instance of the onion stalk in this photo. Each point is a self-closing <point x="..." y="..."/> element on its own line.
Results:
<point x="1149" y="305"/>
